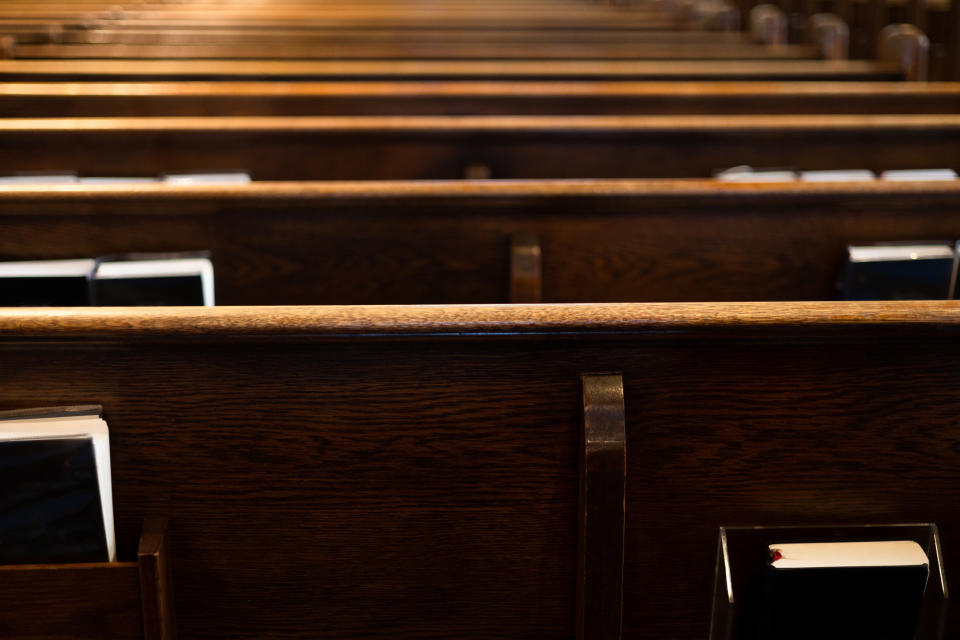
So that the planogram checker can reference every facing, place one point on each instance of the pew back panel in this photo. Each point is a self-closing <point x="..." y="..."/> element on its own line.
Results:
<point x="343" y="470"/>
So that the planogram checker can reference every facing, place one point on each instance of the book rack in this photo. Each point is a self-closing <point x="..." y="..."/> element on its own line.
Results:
<point x="739" y="548"/>
<point x="118" y="600"/>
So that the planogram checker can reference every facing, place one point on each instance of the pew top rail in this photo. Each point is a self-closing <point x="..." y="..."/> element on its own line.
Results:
<point x="653" y="320"/>
<point x="448" y="69"/>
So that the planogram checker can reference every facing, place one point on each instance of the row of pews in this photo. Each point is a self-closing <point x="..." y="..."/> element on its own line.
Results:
<point x="385" y="431"/>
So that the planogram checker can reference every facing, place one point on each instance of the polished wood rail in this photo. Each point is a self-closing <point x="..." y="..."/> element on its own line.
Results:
<point x="141" y="70"/>
<point x="450" y="242"/>
<point x="443" y="147"/>
<point x="379" y="488"/>
<point x="195" y="98"/>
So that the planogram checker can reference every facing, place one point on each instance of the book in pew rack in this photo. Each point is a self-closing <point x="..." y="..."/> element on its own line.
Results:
<point x="57" y="499"/>
<point x="174" y="279"/>
<point x="842" y="591"/>
<point x="900" y="271"/>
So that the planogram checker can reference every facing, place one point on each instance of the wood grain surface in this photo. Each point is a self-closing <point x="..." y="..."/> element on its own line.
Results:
<point x="442" y="147"/>
<point x="141" y="70"/>
<point x="379" y="489"/>
<point x="450" y="242"/>
<point x="226" y="98"/>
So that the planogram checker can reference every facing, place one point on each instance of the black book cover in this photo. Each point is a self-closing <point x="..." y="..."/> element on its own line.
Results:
<point x="916" y="274"/>
<point x="149" y="291"/>
<point x="50" y="510"/>
<point x="153" y="279"/>
<point x="841" y="603"/>
<point x="67" y="291"/>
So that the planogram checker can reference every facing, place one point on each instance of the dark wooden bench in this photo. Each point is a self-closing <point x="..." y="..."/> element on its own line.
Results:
<point x="460" y="242"/>
<point x="300" y="70"/>
<point x="439" y="147"/>
<point x="231" y="98"/>
<point x="353" y="472"/>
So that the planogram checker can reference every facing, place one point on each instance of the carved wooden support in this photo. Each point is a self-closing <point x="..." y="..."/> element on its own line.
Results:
<point x="156" y="582"/>
<point x="907" y="46"/>
<point x="525" y="269"/>
<point x="831" y="35"/>
<point x="8" y="47"/>
<point x="716" y="15"/>
<point x="768" y="24"/>
<point x="601" y="511"/>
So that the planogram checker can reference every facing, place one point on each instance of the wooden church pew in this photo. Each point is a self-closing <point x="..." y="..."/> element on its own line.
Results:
<point x="301" y="70"/>
<point x="442" y="147"/>
<point x="355" y="472"/>
<point x="722" y="49"/>
<point x="96" y="99"/>
<point x="417" y="243"/>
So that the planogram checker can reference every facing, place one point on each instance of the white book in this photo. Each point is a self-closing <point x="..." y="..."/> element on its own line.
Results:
<point x="898" y="252"/>
<point x="145" y="270"/>
<point x="920" y="175"/>
<point x="745" y="173"/>
<point x="65" y="426"/>
<point x="844" y="175"/>
<point x="40" y="178"/>
<point x="47" y="268"/>
<point x="817" y="555"/>
<point x="118" y="180"/>
<point x="223" y="177"/>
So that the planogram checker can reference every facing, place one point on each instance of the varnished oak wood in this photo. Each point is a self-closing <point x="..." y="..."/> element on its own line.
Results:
<point x="721" y="50"/>
<point x="156" y="581"/>
<point x="122" y="600"/>
<point x="526" y="275"/>
<point x="441" y="147"/>
<point x="449" y="242"/>
<point x="141" y="70"/>
<point x="95" y="99"/>
<point x="382" y="491"/>
<point x="603" y="469"/>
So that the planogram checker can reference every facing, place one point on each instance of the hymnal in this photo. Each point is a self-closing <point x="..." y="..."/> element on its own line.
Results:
<point x="838" y="175"/>
<point x="921" y="271"/>
<point x="173" y="279"/>
<point x="919" y="175"/>
<point x="46" y="283"/>
<point x="219" y="177"/>
<point x="154" y="280"/>
<point x="745" y="173"/>
<point x="57" y="502"/>
<point x="842" y="591"/>
<point x="40" y="177"/>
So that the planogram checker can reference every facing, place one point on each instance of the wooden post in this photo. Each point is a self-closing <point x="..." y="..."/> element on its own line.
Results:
<point x="525" y="269"/>
<point x="908" y="47"/>
<point x="156" y="582"/>
<point x="831" y="36"/>
<point x="602" y="509"/>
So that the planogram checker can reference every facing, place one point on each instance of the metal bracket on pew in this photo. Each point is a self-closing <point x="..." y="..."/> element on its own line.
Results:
<point x="601" y="510"/>
<point x="525" y="268"/>
<point x="831" y="36"/>
<point x="908" y="47"/>
<point x="768" y="24"/>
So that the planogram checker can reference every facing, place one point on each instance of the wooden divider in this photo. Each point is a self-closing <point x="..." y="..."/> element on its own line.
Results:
<point x="414" y="470"/>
